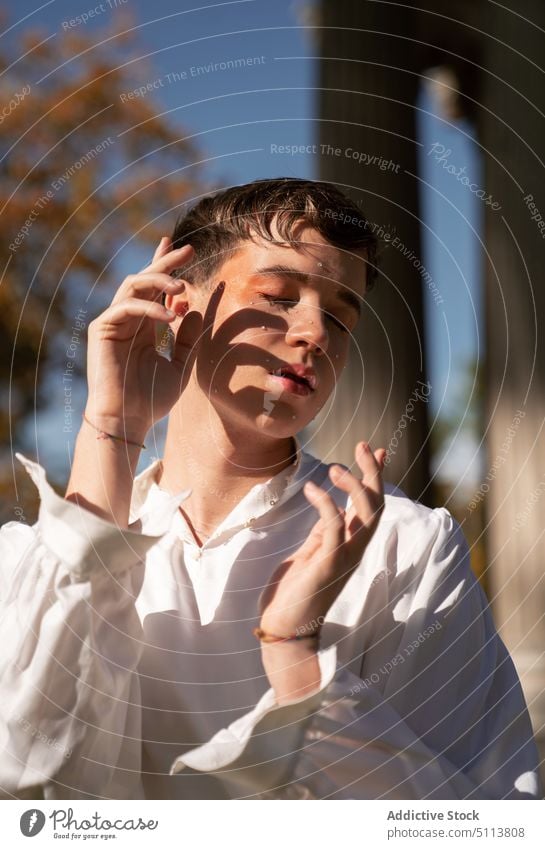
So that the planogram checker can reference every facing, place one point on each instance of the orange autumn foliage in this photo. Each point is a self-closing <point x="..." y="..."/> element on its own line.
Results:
<point x="109" y="173"/>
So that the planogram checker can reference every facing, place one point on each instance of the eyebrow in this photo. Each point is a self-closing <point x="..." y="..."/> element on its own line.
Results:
<point x="349" y="297"/>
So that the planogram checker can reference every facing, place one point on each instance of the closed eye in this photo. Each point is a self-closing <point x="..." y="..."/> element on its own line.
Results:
<point x="287" y="303"/>
<point x="283" y="302"/>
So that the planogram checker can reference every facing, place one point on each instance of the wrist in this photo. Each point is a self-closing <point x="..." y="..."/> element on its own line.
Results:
<point x="292" y="668"/>
<point x="289" y="652"/>
<point x="102" y="476"/>
<point x="126" y="430"/>
<point x="277" y="627"/>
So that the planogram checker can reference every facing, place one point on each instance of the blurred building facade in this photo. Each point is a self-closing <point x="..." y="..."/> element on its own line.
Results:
<point x="486" y="61"/>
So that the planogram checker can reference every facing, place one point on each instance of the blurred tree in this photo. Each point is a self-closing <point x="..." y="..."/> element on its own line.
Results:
<point x="84" y="169"/>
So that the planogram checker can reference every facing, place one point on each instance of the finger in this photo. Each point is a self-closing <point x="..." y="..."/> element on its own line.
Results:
<point x="313" y="542"/>
<point x="380" y="456"/>
<point x="134" y="307"/>
<point x="149" y="286"/>
<point x="331" y="515"/>
<point x="363" y="507"/>
<point x="171" y="259"/>
<point x="357" y="489"/>
<point x="367" y="498"/>
<point x="372" y="475"/>
<point x="164" y="245"/>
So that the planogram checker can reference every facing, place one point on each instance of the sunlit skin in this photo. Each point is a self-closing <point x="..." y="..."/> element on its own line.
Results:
<point x="233" y="425"/>
<point x="231" y="420"/>
<point x="245" y="420"/>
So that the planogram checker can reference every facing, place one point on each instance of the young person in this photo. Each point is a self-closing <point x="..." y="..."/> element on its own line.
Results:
<point x="241" y="620"/>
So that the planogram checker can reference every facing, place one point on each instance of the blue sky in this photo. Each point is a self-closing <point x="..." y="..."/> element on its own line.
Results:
<point x="237" y="114"/>
<point x="452" y="219"/>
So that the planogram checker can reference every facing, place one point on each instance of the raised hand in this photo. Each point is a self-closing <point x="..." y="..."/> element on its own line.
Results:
<point x="131" y="385"/>
<point x="305" y="585"/>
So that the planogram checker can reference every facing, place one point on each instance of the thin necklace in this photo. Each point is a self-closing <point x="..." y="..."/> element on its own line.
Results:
<point x="201" y="534"/>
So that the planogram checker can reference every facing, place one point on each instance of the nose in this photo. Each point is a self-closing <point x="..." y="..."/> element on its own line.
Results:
<point x="307" y="327"/>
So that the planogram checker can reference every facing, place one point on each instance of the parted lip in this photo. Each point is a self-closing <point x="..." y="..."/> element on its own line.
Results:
<point x="299" y="370"/>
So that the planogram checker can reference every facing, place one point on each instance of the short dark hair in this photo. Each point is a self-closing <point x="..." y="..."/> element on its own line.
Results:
<point x="217" y="224"/>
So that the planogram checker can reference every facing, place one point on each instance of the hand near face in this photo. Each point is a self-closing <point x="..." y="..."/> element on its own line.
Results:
<point x="131" y="386"/>
<point x="306" y="584"/>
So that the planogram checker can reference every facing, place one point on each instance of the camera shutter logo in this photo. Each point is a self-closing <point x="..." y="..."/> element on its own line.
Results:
<point x="32" y="822"/>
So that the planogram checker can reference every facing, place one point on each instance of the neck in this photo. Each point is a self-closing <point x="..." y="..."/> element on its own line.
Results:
<point x="219" y="463"/>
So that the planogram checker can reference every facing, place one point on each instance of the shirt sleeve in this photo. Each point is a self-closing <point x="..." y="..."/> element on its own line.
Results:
<point x="71" y="642"/>
<point x="438" y="714"/>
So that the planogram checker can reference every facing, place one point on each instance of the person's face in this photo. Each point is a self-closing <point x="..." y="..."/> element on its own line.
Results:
<point x="282" y="311"/>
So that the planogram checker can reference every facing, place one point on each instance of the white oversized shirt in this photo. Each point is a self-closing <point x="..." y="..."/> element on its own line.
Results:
<point x="129" y="668"/>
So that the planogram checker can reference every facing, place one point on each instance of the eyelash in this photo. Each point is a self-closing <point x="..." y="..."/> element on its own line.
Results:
<point x="285" y="303"/>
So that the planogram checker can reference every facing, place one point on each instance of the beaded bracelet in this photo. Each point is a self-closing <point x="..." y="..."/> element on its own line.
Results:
<point x="103" y="435"/>
<point x="274" y="638"/>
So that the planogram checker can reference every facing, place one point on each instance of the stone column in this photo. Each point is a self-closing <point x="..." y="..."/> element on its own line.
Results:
<point x="512" y="131"/>
<point x="368" y="88"/>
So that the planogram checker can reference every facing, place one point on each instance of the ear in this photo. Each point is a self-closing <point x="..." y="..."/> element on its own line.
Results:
<point x="178" y="303"/>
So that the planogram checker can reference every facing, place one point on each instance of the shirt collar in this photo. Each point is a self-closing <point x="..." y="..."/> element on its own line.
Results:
<point x="260" y="499"/>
